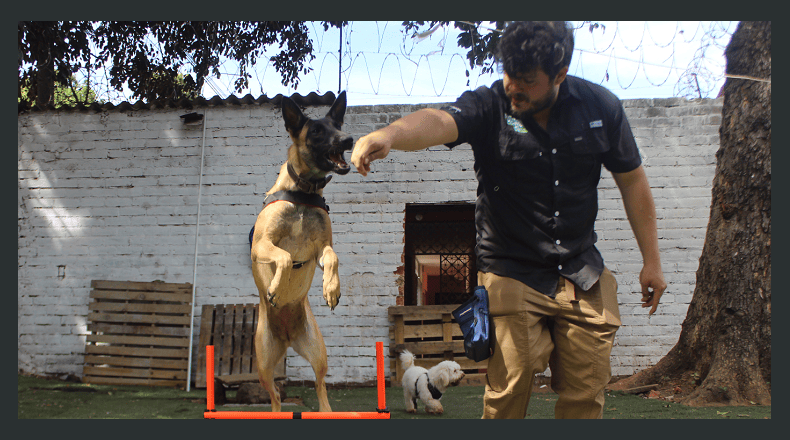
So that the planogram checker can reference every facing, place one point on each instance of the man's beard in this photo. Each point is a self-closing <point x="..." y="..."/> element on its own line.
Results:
<point x="545" y="102"/>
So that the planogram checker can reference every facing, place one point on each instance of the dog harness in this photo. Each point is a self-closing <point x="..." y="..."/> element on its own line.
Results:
<point x="436" y="394"/>
<point x="297" y="197"/>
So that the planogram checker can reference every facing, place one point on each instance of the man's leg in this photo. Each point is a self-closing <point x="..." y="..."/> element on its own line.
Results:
<point x="522" y="345"/>
<point x="583" y="336"/>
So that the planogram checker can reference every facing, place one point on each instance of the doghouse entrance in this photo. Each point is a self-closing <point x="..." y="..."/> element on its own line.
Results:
<point x="440" y="266"/>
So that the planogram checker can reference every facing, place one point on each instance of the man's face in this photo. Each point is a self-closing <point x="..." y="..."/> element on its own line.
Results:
<point x="532" y="92"/>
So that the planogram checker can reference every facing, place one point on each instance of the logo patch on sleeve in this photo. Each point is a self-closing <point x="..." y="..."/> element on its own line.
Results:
<point x="596" y="124"/>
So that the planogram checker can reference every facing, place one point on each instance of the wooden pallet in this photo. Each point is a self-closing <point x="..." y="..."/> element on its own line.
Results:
<point x="432" y="335"/>
<point x="138" y="333"/>
<point x="230" y="328"/>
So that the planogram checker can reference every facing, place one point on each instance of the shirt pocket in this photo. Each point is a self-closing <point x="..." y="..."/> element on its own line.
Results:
<point x="587" y="147"/>
<point x="589" y="141"/>
<point x="517" y="146"/>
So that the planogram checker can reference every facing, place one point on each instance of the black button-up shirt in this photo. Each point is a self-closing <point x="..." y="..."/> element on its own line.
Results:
<point x="537" y="194"/>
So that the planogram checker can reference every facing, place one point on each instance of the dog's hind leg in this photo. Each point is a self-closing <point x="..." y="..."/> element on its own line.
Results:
<point x="268" y="353"/>
<point x="411" y="401"/>
<point x="329" y="264"/>
<point x="310" y="345"/>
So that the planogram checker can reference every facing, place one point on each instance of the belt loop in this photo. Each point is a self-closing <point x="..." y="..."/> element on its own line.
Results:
<point x="570" y="290"/>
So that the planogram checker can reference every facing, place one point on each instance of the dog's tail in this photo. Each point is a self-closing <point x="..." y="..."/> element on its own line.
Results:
<point x="406" y="359"/>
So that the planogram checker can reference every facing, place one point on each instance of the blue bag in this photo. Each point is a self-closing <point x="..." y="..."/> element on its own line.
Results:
<point x="472" y="316"/>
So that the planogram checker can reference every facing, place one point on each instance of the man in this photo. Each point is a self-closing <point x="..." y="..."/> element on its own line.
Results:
<point x="539" y="139"/>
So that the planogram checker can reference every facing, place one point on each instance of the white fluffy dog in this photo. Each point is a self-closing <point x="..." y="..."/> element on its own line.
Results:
<point x="427" y="385"/>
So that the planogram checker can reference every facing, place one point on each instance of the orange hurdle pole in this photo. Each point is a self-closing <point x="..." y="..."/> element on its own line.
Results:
<point x="381" y="411"/>
<point x="380" y="377"/>
<point x="210" y="378"/>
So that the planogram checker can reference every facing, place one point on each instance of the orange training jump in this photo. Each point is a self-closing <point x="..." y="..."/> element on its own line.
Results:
<point x="211" y="413"/>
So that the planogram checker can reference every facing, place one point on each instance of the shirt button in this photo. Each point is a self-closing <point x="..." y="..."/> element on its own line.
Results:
<point x="556" y="183"/>
<point x="556" y="213"/>
<point x="496" y="188"/>
<point x="558" y="242"/>
<point x="554" y="151"/>
<point x="559" y="267"/>
<point x="540" y="153"/>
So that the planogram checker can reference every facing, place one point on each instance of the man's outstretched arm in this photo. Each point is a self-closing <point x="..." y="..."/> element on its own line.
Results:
<point x="422" y="129"/>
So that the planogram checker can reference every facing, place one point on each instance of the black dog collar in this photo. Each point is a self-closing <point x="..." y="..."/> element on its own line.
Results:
<point x="308" y="186"/>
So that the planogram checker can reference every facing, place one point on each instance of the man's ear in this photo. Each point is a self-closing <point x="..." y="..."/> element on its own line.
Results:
<point x="293" y="116"/>
<point x="561" y="76"/>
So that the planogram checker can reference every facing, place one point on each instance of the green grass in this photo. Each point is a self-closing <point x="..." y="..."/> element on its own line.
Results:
<point x="52" y="399"/>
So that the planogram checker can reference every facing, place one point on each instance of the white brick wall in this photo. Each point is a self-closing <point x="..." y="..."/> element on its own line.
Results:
<point x="113" y="195"/>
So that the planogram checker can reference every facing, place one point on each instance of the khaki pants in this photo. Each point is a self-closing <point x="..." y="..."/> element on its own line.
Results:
<point x="572" y="334"/>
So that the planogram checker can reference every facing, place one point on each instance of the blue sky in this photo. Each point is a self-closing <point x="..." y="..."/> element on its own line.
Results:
<point x="382" y="65"/>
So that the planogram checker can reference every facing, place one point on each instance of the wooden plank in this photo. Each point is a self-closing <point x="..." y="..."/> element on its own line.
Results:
<point x="126" y="307"/>
<point x="153" y="286"/>
<point x="146" y="329"/>
<point x="137" y="351"/>
<point x="427" y="347"/>
<point x="238" y="329"/>
<point x="138" y="319"/>
<point x="135" y="372"/>
<point x="134" y="295"/>
<point x="132" y="381"/>
<point x="432" y="331"/>
<point x="399" y="336"/>
<point x="250" y="319"/>
<point x="138" y="340"/>
<point x="134" y="362"/>
<point x="421" y="313"/>
<point x="227" y="340"/>
<point x="219" y="322"/>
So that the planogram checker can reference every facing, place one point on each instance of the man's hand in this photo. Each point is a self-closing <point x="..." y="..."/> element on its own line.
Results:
<point x="368" y="148"/>
<point x="653" y="286"/>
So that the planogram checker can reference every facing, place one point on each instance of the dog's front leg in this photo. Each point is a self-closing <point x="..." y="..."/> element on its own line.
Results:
<point x="265" y="252"/>
<point x="329" y="263"/>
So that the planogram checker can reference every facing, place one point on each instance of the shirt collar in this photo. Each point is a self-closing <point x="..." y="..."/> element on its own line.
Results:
<point x="568" y="89"/>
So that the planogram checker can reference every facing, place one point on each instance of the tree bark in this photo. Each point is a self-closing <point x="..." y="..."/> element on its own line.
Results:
<point x="725" y="340"/>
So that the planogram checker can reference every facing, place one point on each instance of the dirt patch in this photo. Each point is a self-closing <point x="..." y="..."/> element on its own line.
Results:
<point x="669" y="389"/>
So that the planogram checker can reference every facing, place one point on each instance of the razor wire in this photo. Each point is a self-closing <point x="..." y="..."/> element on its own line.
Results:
<point x="434" y="66"/>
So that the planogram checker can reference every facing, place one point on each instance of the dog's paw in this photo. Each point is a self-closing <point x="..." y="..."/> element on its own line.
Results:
<point x="332" y="298"/>
<point x="271" y="297"/>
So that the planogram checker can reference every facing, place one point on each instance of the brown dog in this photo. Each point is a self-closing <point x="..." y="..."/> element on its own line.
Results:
<point x="290" y="238"/>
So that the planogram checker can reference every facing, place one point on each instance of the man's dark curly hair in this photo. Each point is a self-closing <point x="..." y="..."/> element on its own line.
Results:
<point x="526" y="45"/>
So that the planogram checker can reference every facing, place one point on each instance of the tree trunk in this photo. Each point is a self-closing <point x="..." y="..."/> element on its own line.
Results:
<point x="725" y="340"/>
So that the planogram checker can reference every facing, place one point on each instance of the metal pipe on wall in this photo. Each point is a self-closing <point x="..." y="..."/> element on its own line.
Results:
<point x="197" y="236"/>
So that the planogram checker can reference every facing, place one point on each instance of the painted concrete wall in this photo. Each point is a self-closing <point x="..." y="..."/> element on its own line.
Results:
<point x="114" y="195"/>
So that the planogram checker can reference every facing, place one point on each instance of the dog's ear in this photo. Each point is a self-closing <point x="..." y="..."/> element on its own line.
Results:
<point x="293" y="116"/>
<point x="445" y="377"/>
<point x="338" y="109"/>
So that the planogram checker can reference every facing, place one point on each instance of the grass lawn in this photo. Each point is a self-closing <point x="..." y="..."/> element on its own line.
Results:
<point x="52" y="399"/>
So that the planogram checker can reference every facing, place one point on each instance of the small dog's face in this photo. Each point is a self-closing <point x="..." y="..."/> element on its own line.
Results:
<point x="451" y="373"/>
<point x="323" y="139"/>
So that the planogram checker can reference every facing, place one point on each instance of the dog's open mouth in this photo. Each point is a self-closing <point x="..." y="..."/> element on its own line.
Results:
<point x="339" y="163"/>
